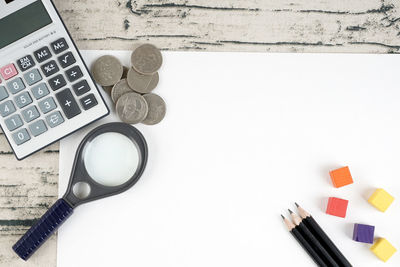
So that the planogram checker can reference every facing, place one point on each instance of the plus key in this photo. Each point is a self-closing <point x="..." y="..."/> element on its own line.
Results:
<point x="68" y="103"/>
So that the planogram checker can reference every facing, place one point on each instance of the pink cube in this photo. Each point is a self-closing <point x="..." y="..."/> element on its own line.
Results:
<point x="337" y="207"/>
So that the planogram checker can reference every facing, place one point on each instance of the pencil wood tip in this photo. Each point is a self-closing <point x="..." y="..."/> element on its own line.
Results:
<point x="297" y="205"/>
<point x="290" y="211"/>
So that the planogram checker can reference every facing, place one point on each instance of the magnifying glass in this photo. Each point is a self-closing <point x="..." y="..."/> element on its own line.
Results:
<point x="109" y="161"/>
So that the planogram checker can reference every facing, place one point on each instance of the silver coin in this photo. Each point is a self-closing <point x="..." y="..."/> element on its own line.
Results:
<point x="142" y="83"/>
<point x="157" y="109"/>
<point x="107" y="89"/>
<point x="107" y="70"/>
<point x="132" y="108"/>
<point x="119" y="89"/>
<point x="146" y="59"/>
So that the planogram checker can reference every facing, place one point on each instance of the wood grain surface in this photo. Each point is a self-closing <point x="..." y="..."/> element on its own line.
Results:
<point x="27" y="188"/>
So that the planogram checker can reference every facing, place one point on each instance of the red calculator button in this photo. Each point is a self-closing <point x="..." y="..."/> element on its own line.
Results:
<point x="8" y="71"/>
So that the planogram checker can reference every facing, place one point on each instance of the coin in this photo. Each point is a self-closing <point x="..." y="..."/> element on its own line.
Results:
<point x="107" y="70"/>
<point x="146" y="59"/>
<point x="119" y="89"/>
<point x="107" y="89"/>
<point x="142" y="83"/>
<point x="132" y="108"/>
<point x="157" y="109"/>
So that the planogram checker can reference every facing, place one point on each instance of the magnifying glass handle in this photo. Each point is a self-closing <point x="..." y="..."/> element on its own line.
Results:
<point x="43" y="229"/>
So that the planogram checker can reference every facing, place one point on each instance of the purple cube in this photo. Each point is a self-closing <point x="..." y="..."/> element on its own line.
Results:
<point x="363" y="233"/>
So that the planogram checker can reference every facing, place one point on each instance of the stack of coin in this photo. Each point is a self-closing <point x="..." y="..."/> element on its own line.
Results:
<point x="130" y="88"/>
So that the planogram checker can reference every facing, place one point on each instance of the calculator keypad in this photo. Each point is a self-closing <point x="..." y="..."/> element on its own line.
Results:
<point x="23" y="99"/>
<point x="21" y="136"/>
<point x="37" y="128"/>
<point x="39" y="91"/>
<point x="32" y="77"/>
<point x="30" y="114"/>
<point x="27" y="105"/>
<point x="7" y="108"/>
<point x="16" y="85"/>
<point x="68" y="103"/>
<point x="57" y="82"/>
<point x="59" y="46"/>
<point x="42" y="54"/>
<point x="66" y="60"/>
<point x="9" y="71"/>
<point x="3" y="93"/>
<point x="25" y="63"/>
<point x="50" y="68"/>
<point x="47" y="105"/>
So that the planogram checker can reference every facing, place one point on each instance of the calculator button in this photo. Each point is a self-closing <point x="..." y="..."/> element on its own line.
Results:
<point x="30" y="114"/>
<point x="47" y="105"/>
<point x="37" y="128"/>
<point x="59" y="46"/>
<point x="40" y="91"/>
<point x="88" y="101"/>
<point x="7" y="108"/>
<point x="42" y="54"/>
<point x="54" y="119"/>
<point x="23" y="99"/>
<point x="25" y="63"/>
<point x="21" y="137"/>
<point x="68" y="103"/>
<point x="8" y="71"/>
<point x="66" y="60"/>
<point x="50" y="68"/>
<point x="81" y="88"/>
<point x="3" y="93"/>
<point x="57" y="82"/>
<point x="15" y="85"/>
<point x="74" y="74"/>
<point x="13" y="122"/>
<point x="32" y="77"/>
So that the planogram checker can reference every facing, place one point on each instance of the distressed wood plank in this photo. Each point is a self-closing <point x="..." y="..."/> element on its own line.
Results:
<point x="366" y="26"/>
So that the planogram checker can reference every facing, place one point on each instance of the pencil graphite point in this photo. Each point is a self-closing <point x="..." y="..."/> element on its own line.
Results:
<point x="283" y="217"/>
<point x="297" y="205"/>
<point x="290" y="211"/>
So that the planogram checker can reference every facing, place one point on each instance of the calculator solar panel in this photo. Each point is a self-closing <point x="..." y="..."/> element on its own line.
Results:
<point x="46" y="91"/>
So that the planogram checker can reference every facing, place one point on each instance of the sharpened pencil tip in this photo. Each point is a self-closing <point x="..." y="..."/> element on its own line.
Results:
<point x="290" y="211"/>
<point x="297" y="205"/>
<point x="283" y="217"/>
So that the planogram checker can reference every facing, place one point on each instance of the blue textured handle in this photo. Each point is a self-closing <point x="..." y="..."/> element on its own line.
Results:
<point x="43" y="229"/>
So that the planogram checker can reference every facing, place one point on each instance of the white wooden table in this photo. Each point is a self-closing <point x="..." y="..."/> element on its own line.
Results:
<point x="27" y="188"/>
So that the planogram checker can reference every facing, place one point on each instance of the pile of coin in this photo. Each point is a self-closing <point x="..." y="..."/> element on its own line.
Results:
<point x="130" y="88"/>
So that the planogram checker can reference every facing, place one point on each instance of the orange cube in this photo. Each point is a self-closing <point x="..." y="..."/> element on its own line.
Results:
<point x="341" y="177"/>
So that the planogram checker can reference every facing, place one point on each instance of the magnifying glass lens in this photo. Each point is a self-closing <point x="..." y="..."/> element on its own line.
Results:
<point x="111" y="159"/>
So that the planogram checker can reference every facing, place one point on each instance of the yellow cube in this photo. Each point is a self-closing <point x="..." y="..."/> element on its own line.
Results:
<point x="381" y="199"/>
<point x="383" y="249"/>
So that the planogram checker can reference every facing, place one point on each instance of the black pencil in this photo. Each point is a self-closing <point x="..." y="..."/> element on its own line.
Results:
<point x="322" y="237"/>
<point x="303" y="243"/>
<point x="313" y="240"/>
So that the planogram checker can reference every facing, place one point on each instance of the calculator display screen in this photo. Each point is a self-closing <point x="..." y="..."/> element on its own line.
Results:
<point x="23" y="22"/>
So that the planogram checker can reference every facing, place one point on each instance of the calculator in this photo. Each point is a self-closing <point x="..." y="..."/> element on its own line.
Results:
<point x="46" y="90"/>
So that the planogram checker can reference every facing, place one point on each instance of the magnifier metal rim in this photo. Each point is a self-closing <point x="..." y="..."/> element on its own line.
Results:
<point x="80" y="173"/>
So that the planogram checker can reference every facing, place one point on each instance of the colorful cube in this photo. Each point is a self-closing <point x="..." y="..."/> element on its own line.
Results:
<point x="363" y="233"/>
<point x="381" y="199"/>
<point x="337" y="207"/>
<point x="341" y="177"/>
<point x="383" y="249"/>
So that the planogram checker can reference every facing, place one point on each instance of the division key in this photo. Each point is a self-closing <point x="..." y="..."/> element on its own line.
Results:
<point x="68" y="103"/>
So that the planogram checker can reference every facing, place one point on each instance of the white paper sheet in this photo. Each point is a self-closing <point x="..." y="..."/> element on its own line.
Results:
<point x="246" y="135"/>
